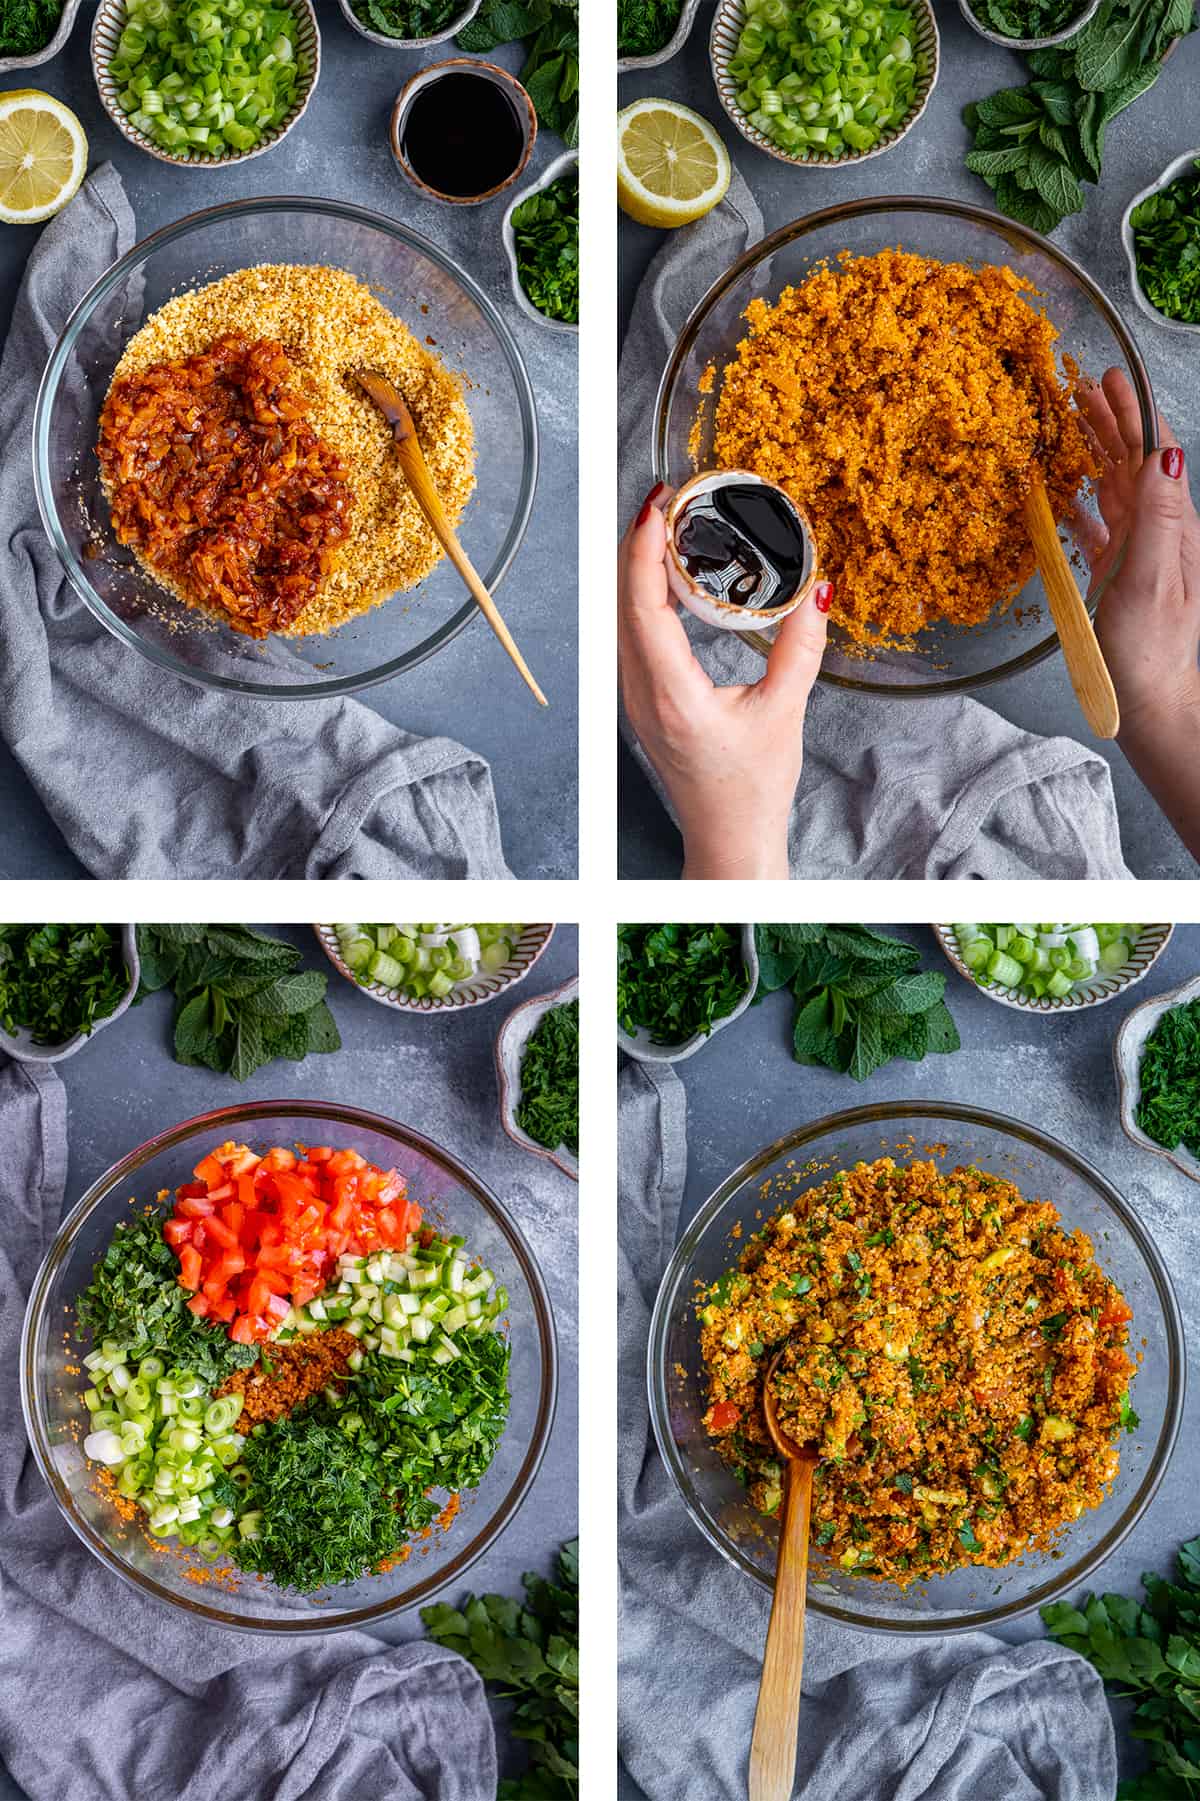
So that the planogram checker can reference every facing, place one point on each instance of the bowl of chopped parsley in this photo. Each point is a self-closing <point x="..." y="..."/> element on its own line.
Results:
<point x="290" y="1367"/>
<point x="651" y="32"/>
<point x="537" y="1068"/>
<point x="1157" y="1055"/>
<point x="32" y="31"/>
<point x="1161" y="235"/>
<point x="60" y="983"/>
<point x="541" y="240"/>
<point x="408" y="24"/>
<point x="678" y="984"/>
<point x="1028" y="24"/>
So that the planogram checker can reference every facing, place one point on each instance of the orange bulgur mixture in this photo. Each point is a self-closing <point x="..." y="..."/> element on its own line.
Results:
<point x="956" y="1356"/>
<point x="903" y="404"/>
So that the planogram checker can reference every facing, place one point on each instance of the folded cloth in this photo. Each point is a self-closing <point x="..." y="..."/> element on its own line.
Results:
<point x="106" y="1695"/>
<point x="932" y="789"/>
<point x="147" y="775"/>
<point x="967" y="1719"/>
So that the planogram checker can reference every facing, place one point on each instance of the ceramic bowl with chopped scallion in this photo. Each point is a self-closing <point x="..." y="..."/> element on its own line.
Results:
<point x="1053" y="967"/>
<point x="433" y="966"/>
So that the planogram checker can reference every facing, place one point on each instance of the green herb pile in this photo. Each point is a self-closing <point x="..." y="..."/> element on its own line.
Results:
<point x="27" y="26"/>
<point x="546" y="232"/>
<point x="1026" y="18"/>
<point x="134" y="1297"/>
<point x="644" y="26"/>
<point x="406" y="18"/>
<point x="549" y="29"/>
<point x="549" y="1108"/>
<point x="530" y="1655"/>
<point x="1035" y="145"/>
<point x="1151" y="1654"/>
<point x="320" y="1516"/>
<point x="1168" y="1109"/>
<point x="242" y="999"/>
<point x="861" y="997"/>
<point x="677" y="980"/>
<point x="57" y="980"/>
<point x="1166" y="242"/>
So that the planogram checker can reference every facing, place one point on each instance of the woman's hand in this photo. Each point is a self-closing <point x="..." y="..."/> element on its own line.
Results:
<point x="729" y="758"/>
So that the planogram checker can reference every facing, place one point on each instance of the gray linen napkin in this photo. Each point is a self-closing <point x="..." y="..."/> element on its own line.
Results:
<point x="106" y="1696"/>
<point x="970" y="1719"/>
<point x="917" y="789"/>
<point x="149" y="776"/>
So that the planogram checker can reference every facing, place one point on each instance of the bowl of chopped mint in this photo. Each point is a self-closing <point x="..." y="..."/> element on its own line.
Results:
<point x="32" y="31"/>
<point x="650" y="32"/>
<point x="541" y="241"/>
<point x="408" y="24"/>
<point x="1161" y="235"/>
<point x="1028" y="24"/>
<point x="1157" y="1054"/>
<point x="678" y="984"/>
<point x="59" y="984"/>
<point x="537" y="1068"/>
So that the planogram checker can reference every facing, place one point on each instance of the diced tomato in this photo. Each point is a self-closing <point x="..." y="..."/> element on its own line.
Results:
<point x="344" y="1163"/>
<point x="276" y="1308"/>
<point x="319" y="1153"/>
<point x="242" y="1163"/>
<point x="247" y="1189"/>
<point x="224" y="1191"/>
<point x="724" y="1416"/>
<point x="1117" y="1313"/>
<point x="279" y="1159"/>
<point x="189" y="1266"/>
<point x="223" y="1309"/>
<point x="216" y="1229"/>
<point x="177" y="1232"/>
<point x="389" y="1226"/>
<point x="194" y="1206"/>
<point x="210" y="1170"/>
<point x="241" y="1330"/>
<point x="191" y="1191"/>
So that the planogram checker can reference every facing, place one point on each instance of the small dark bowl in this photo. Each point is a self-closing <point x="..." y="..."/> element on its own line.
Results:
<point x="466" y="65"/>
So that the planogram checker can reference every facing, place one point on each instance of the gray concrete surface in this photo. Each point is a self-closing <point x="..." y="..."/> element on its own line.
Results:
<point x="1140" y="144"/>
<point x="469" y="691"/>
<point x="744" y="1090"/>
<point x="125" y="1086"/>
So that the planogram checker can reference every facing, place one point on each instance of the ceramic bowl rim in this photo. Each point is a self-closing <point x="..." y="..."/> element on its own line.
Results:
<point x="441" y="1005"/>
<point x="1049" y="1007"/>
<point x="1082" y="18"/>
<point x="459" y="23"/>
<point x="1129" y="1084"/>
<point x="552" y="173"/>
<point x="626" y="65"/>
<point x="11" y="65"/>
<point x="559" y="1156"/>
<point x="58" y="1053"/>
<point x="1174" y="169"/>
<point x="642" y="1051"/>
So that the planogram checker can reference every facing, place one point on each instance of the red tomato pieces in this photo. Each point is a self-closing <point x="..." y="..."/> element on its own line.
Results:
<point x="258" y="1235"/>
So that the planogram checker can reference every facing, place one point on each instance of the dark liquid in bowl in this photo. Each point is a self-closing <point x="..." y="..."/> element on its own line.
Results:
<point x="462" y="135"/>
<point x="745" y="544"/>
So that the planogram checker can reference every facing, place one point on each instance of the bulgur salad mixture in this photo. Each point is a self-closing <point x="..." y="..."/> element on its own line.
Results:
<point x="903" y="403"/>
<point x="956" y="1356"/>
<point x="248" y="472"/>
<point x="288" y="1364"/>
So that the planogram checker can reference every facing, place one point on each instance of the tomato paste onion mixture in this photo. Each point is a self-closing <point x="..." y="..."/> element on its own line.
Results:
<point x="955" y="1355"/>
<point x="287" y="1364"/>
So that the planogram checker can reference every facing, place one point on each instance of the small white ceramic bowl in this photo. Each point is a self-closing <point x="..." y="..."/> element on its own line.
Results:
<point x="642" y="1046"/>
<point x="1128" y="1047"/>
<point x="727" y="25"/>
<point x="66" y="22"/>
<point x="725" y="614"/>
<point x="672" y="47"/>
<point x="457" y="23"/>
<point x="1082" y="16"/>
<point x="1180" y="166"/>
<point x="483" y="986"/>
<point x="1151" y="942"/>
<point x="20" y="1044"/>
<point x="562" y="165"/>
<point x="511" y="1040"/>
<point x="106" y="33"/>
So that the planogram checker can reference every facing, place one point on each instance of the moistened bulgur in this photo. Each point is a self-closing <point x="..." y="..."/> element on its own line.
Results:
<point x="955" y="1355"/>
<point x="904" y="403"/>
<point x="289" y="1374"/>
<point x="331" y="325"/>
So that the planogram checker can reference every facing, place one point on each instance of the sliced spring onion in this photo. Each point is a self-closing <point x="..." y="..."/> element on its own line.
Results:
<point x="424" y="960"/>
<point x="1043" y="961"/>
<point x="425" y="1295"/>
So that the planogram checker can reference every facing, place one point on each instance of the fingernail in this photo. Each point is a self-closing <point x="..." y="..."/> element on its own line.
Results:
<point x="823" y="596"/>
<point x="649" y="501"/>
<point x="1172" y="462"/>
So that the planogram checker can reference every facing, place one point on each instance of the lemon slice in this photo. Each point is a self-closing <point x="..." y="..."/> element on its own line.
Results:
<point x="671" y="165"/>
<point x="43" y="156"/>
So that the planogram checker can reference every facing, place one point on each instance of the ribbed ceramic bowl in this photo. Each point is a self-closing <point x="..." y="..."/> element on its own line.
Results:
<point x="511" y="1040"/>
<point x="944" y="658"/>
<point x="385" y="42"/>
<point x="1180" y="166"/>
<point x="1151" y="942"/>
<point x="1127" y="1055"/>
<point x="642" y="1046"/>
<point x="1082" y="16"/>
<point x="949" y="1134"/>
<point x="485" y="985"/>
<point x="52" y="1382"/>
<point x="727" y="25"/>
<point x="20" y="1044"/>
<point x="674" y="44"/>
<point x="10" y="65"/>
<point x="107" y="27"/>
<point x="562" y="165"/>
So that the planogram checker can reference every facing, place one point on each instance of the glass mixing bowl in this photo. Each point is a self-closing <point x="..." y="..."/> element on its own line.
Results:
<point x="52" y="1382"/>
<point x="948" y="659"/>
<point x="965" y="1599"/>
<point x="433" y="296"/>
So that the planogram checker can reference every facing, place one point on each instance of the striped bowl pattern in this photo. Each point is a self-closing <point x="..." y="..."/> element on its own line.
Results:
<point x="1151" y="943"/>
<point x="727" y="28"/>
<point x="106" y="33"/>
<point x="483" y="986"/>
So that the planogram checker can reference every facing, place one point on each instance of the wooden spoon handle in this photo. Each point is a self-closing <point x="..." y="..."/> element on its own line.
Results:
<point x="1085" y="661"/>
<point x="773" y="1746"/>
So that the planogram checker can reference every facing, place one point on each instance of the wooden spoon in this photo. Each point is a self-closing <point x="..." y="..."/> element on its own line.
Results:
<point x="1085" y="661"/>
<point x="390" y="402"/>
<point x="773" y="1746"/>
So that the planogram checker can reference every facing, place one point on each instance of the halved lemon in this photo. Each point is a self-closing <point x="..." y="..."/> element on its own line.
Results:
<point x="43" y="156"/>
<point x="671" y="164"/>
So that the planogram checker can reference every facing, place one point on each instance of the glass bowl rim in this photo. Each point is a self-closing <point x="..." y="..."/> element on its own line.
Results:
<point x="872" y="1114"/>
<point x="946" y="208"/>
<point x="179" y="228"/>
<point x="326" y="1112"/>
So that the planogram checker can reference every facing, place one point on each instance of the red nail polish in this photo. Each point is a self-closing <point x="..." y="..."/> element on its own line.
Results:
<point x="823" y="596"/>
<point x="656" y="490"/>
<point x="1172" y="462"/>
